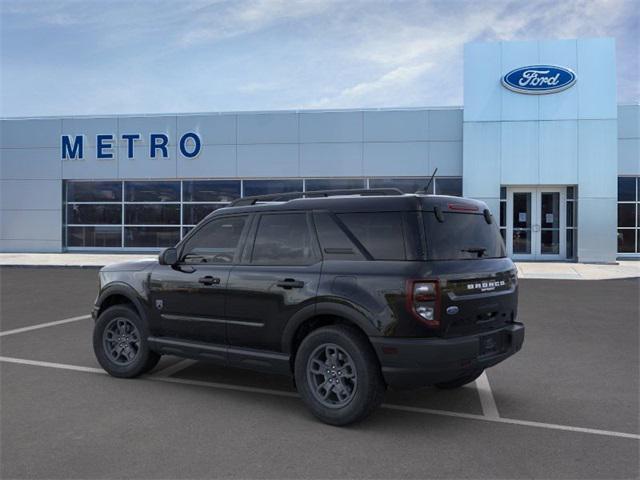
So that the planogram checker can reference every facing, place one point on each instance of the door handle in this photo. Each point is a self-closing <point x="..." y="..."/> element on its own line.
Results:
<point x="209" y="280"/>
<point x="289" y="283"/>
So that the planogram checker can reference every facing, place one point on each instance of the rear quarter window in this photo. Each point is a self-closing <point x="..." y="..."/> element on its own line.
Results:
<point x="380" y="233"/>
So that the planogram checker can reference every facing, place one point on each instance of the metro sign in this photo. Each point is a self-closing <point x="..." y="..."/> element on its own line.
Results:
<point x="72" y="146"/>
<point x="539" y="79"/>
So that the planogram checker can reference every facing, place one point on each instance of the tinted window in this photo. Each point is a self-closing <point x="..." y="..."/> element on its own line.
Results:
<point x="151" y="236"/>
<point x="381" y="234"/>
<point x="626" y="189"/>
<point x="333" y="183"/>
<point x="334" y="241"/>
<point x="94" y="191"/>
<point x="152" y="191"/>
<point x="283" y="240"/>
<point x="94" y="214"/>
<point x="152" y="214"/>
<point x="215" y="242"/>
<point x="265" y="187"/>
<point x="193" y="213"/>
<point x="211" y="190"/>
<point x="407" y="185"/>
<point x="449" y="186"/>
<point x="462" y="236"/>
<point x="94" y="237"/>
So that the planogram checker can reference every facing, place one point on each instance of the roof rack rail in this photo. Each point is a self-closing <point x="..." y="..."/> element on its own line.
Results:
<point x="283" y="197"/>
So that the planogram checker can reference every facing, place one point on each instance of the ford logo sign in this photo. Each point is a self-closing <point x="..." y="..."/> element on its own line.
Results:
<point x="539" y="79"/>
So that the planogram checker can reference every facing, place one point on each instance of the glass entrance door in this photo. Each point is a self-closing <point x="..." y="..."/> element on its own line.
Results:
<point x="536" y="223"/>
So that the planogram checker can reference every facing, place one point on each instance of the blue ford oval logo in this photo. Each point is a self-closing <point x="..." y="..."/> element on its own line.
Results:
<point x="539" y="79"/>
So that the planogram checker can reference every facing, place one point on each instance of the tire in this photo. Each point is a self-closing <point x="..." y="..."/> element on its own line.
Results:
<point x="122" y="323"/>
<point x="459" y="382"/>
<point x="353" y="389"/>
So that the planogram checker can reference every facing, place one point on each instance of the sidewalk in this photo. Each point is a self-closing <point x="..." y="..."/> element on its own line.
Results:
<point x="550" y="270"/>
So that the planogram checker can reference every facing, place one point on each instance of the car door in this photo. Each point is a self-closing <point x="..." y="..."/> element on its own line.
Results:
<point x="188" y="299"/>
<point x="277" y="277"/>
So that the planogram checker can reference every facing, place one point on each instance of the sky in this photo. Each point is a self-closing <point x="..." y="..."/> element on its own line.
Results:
<point x="97" y="57"/>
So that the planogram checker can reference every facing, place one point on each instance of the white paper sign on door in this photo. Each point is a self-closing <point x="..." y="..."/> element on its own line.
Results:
<point x="548" y="218"/>
<point x="522" y="216"/>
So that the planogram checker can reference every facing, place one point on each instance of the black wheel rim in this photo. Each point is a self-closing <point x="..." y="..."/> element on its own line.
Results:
<point x="121" y="341"/>
<point x="331" y="375"/>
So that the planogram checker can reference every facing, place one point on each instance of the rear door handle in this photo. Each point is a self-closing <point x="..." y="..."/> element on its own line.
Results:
<point x="209" y="280"/>
<point x="288" y="283"/>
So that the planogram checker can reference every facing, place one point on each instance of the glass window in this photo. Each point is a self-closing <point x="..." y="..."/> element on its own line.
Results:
<point x="571" y="192"/>
<point x="94" y="214"/>
<point x="333" y="184"/>
<point x="570" y="214"/>
<point x="194" y="213"/>
<point x="152" y="191"/>
<point x="569" y="243"/>
<point x="503" y="214"/>
<point x="158" y="237"/>
<point x="211" y="190"/>
<point x="283" y="239"/>
<point x="381" y="234"/>
<point x="407" y="185"/>
<point x="94" y="237"/>
<point x="94" y="191"/>
<point x="626" y="189"/>
<point x="626" y="240"/>
<point x="334" y="242"/>
<point x="449" y="186"/>
<point x="215" y="242"/>
<point x="503" y="193"/>
<point x="266" y="187"/>
<point x="145" y="214"/>
<point x="626" y="215"/>
<point x="462" y="236"/>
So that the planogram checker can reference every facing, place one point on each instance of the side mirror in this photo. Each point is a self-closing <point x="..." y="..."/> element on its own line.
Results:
<point x="168" y="256"/>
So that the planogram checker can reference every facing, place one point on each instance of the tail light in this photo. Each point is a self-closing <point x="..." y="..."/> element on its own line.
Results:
<point x="423" y="301"/>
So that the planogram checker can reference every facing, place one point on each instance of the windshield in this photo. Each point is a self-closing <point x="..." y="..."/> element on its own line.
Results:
<point x="462" y="236"/>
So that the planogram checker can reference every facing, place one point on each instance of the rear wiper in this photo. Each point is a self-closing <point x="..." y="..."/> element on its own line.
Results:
<point x="479" y="250"/>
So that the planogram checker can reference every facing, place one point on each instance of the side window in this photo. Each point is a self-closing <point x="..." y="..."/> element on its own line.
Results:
<point x="335" y="244"/>
<point x="215" y="242"/>
<point x="380" y="233"/>
<point x="283" y="239"/>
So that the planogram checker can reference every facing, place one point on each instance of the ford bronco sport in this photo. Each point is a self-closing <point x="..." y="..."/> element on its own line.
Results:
<point x="349" y="292"/>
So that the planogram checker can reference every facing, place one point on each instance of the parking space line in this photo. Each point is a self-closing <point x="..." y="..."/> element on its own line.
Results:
<point x="488" y="403"/>
<point x="44" y="325"/>
<point x="282" y="393"/>
<point x="173" y="369"/>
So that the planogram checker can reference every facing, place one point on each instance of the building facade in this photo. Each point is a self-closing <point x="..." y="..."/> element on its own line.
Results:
<point x="540" y="139"/>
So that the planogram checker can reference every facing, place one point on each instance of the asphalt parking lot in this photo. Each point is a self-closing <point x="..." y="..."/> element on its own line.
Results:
<point x="565" y="407"/>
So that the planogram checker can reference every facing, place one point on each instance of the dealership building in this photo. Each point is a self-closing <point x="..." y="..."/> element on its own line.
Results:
<point x="541" y="139"/>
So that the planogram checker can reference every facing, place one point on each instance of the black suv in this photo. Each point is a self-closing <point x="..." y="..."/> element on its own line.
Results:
<point x="348" y="292"/>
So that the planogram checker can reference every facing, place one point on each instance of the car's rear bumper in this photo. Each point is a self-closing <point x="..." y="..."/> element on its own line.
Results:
<point x="413" y="363"/>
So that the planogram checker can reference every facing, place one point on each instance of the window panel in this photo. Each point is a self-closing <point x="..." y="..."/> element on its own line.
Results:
<point x="215" y="242"/>
<point x="407" y="185"/>
<point x="570" y="243"/>
<point x="158" y="237"/>
<point x="94" y="214"/>
<point x="449" y="186"/>
<point x="94" y="237"/>
<point x="626" y="215"/>
<point x="334" y="184"/>
<point x="211" y="190"/>
<point x="266" y="187"/>
<point x="195" y="213"/>
<point x="283" y="239"/>
<point x="626" y="240"/>
<point x="570" y="212"/>
<point x="380" y="233"/>
<point x="152" y="214"/>
<point x="152" y="191"/>
<point x="626" y="189"/>
<point x="94" y="191"/>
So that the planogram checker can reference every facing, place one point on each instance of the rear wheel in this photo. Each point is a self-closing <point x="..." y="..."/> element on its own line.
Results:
<point x="338" y="376"/>
<point x="459" y="382"/>
<point x="120" y="343"/>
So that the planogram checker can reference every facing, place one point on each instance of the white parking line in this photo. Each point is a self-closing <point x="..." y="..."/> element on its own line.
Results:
<point x="280" y="393"/>
<point x="488" y="403"/>
<point x="43" y="325"/>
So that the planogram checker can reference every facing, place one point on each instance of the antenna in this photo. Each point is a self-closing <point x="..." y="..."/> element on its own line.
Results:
<point x="426" y="189"/>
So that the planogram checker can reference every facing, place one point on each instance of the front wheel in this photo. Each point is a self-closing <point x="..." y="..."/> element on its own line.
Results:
<point x="461" y="381"/>
<point x="338" y="375"/>
<point x="120" y="343"/>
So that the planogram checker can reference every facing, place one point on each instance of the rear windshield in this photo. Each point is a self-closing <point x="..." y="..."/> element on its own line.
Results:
<point x="462" y="236"/>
